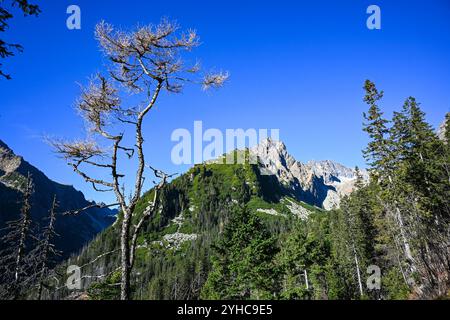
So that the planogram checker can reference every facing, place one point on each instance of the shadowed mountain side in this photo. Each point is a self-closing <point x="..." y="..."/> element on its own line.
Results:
<point x="74" y="231"/>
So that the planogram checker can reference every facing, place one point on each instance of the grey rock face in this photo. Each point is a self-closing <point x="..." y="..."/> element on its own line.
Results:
<point x="74" y="231"/>
<point x="320" y="183"/>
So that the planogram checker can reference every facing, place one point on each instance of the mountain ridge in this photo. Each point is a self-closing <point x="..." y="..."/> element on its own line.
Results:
<point x="195" y="207"/>
<point x="74" y="231"/>
<point x="321" y="183"/>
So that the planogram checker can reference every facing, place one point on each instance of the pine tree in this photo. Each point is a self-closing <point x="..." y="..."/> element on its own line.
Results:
<point x="425" y="150"/>
<point x="383" y="161"/>
<point x="352" y="243"/>
<point x="365" y="206"/>
<point x="425" y="191"/>
<point x="377" y="150"/>
<point x="303" y="259"/>
<point x="294" y="261"/>
<point x="243" y="264"/>
<point x="411" y="184"/>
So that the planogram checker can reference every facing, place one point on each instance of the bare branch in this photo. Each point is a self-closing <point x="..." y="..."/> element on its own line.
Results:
<point x="88" y="178"/>
<point x="77" y="149"/>
<point x="94" y="205"/>
<point x="149" y="211"/>
<point x="139" y="146"/>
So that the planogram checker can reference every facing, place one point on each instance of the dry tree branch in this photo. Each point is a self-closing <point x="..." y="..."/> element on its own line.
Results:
<point x="94" y="205"/>
<point x="150" y="210"/>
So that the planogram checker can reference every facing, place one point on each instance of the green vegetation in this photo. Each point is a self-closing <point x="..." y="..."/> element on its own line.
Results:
<point x="243" y="264"/>
<point x="397" y="222"/>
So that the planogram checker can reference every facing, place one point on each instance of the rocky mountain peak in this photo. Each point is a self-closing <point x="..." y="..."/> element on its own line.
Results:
<point x="322" y="183"/>
<point x="270" y="143"/>
<point x="9" y="163"/>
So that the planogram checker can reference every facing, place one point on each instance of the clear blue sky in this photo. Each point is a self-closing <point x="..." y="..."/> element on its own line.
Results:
<point x="295" y="66"/>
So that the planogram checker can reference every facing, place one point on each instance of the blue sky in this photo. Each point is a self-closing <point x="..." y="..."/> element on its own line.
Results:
<point x="295" y="66"/>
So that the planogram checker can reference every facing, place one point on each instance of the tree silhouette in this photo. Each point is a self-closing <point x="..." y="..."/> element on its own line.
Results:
<point x="9" y="49"/>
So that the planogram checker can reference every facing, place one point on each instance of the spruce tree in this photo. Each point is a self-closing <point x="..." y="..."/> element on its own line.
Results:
<point x="377" y="150"/>
<point x="243" y="265"/>
<point x="383" y="162"/>
<point x="426" y="193"/>
<point x="304" y="258"/>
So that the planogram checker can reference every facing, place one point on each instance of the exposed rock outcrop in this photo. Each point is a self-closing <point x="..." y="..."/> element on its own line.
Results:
<point x="319" y="183"/>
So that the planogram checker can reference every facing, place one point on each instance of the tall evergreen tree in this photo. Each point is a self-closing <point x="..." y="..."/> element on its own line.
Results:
<point x="393" y="231"/>
<point x="352" y="246"/>
<point x="304" y="258"/>
<point x="425" y="191"/>
<point x="377" y="150"/>
<point x="243" y="265"/>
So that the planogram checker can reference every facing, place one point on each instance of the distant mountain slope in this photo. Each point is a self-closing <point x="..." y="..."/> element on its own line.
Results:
<point x="74" y="232"/>
<point x="173" y="250"/>
<point x="318" y="183"/>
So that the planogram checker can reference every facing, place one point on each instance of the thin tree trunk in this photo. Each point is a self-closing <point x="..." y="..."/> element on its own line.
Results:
<point x="125" y="257"/>
<point x="408" y="252"/>
<point x="399" y="261"/>
<point x="46" y="244"/>
<point x="306" y="279"/>
<point x="358" y="271"/>
<point x="25" y="224"/>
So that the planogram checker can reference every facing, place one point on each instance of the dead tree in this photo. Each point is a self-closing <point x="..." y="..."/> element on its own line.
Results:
<point x="147" y="62"/>
<point x="17" y="238"/>
<point x="45" y="249"/>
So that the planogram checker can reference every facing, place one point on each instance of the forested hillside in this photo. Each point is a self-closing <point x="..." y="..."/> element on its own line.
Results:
<point x="175" y="250"/>
<point x="228" y="232"/>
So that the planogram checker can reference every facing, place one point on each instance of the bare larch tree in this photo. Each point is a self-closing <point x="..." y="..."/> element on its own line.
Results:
<point x="146" y="62"/>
